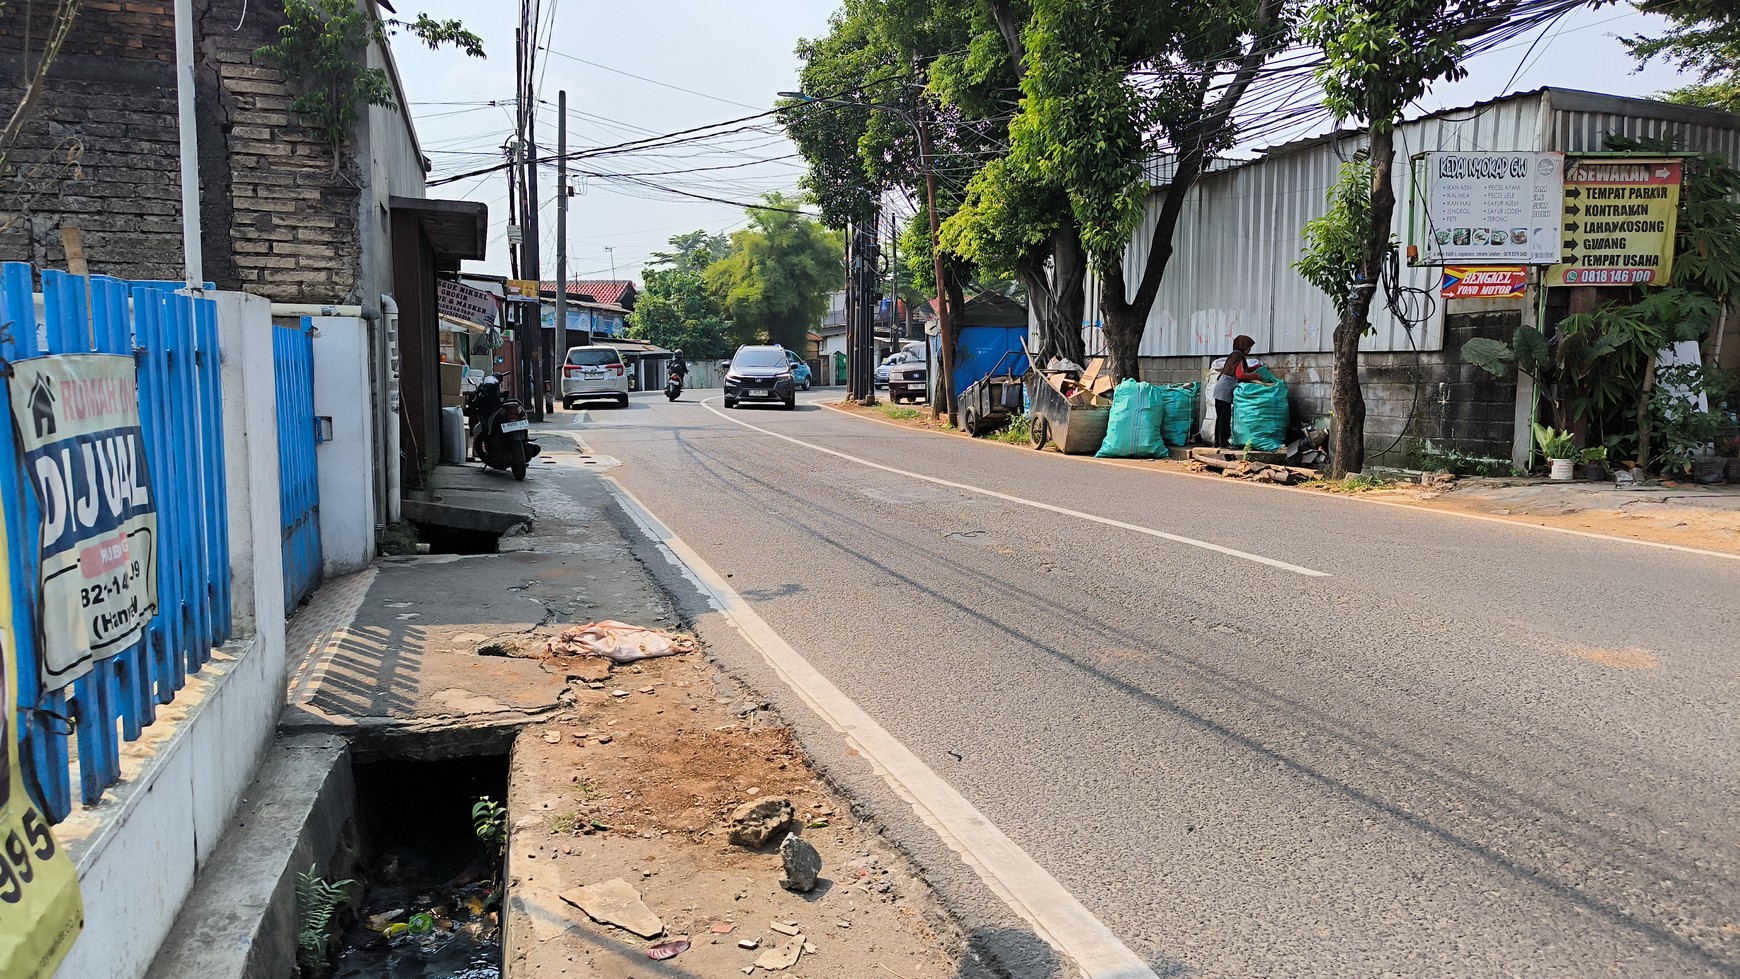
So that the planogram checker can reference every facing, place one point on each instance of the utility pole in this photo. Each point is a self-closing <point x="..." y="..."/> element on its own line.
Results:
<point x="868" y="275"/>
<point x="561" y="239"/>
<point x="531" y="266"/>
<point x="852" y="392"/>
<point x="945" y="335"/>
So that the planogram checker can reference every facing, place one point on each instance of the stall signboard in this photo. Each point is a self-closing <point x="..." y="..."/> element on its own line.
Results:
<point x="1481" y="208"/>
<point x="41" y="913"/>
<point x="1620" y="215"/>
<point x="522" y="290"/>
<point x="459" y="301"/>
<point x="77" y="417"/>
<point x="1484" y="282"/>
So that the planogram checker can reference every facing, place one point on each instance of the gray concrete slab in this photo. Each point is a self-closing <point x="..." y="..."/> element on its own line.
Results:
<point x="240" y="920"/>
<point x="471" y="497"/>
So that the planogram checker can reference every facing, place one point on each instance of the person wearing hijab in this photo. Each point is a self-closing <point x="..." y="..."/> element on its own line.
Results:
<point x="1237" y="367"/>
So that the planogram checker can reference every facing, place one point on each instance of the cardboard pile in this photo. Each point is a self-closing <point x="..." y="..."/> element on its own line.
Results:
<point x="1092" y="388"/>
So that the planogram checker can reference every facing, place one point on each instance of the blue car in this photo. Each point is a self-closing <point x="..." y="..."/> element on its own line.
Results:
<point x="800" y="371"/>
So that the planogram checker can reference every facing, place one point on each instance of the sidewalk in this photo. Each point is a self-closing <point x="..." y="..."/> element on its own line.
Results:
<point x="1682" y="514"/>
<point x="628" y="773"/>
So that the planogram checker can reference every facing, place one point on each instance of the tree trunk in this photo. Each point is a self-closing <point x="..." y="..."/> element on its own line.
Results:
<point x="1346" y="399"/>
<point x="1124" y="343"/>
<point x="953" y="295"/>
<point x="1643" y="399"/>
<point x="1068" y="276"/>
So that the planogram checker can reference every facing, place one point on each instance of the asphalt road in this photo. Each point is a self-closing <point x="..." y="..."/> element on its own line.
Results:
<point x="1457" y="749"/>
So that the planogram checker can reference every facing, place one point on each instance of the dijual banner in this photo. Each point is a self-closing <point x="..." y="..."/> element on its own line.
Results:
<point x="77" y="417"/>
<point x="41" y="913"/>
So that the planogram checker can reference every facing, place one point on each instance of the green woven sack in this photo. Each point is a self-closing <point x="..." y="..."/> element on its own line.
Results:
<point x="1133" y="428"/>
<point x="1260" y="415"/>
<point x="1180" y="402"/>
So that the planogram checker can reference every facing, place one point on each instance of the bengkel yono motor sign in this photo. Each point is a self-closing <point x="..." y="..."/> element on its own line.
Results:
<point x="77" y="417"/>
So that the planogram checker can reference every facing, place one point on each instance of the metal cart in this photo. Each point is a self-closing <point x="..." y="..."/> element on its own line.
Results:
<point x="988" y="403"/>
<point x="1077" y="429"/>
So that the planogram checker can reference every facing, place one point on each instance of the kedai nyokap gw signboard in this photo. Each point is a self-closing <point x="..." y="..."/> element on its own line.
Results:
<point x="1487" y="208"/>
<point x="77" y="417"/>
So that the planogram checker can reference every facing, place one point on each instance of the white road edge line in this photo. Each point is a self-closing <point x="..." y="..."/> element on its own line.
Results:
<point x="1342" y="497"/>
<point x="1050" y="508"/>
<point x="1055" y="915"/>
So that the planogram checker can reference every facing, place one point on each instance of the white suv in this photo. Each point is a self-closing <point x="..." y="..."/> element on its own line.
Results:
<point x="595" y="371"/>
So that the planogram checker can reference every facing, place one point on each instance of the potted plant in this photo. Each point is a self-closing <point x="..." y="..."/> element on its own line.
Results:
<point x="1560" y="449"/>
<point x="1595" y="463"/>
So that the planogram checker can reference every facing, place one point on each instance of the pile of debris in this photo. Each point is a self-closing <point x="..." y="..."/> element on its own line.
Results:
<point x="1239" y="465"/>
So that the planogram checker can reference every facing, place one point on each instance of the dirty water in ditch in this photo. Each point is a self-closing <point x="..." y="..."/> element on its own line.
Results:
<point x="432" y="898"/>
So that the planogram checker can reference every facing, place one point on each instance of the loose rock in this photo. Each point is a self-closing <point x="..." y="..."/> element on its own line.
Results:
<point x="757" y="821"/>
<point x="616" y="902"/>
<point x="802" y="864"/>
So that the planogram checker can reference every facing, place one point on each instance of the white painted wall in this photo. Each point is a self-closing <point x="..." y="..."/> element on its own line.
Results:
<point x="347" y="485"/>
<point x="139" y="852"/>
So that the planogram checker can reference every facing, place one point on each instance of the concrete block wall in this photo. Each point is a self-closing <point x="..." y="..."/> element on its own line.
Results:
<point x="1430" y="397"/>
<point x="101" y="153"/>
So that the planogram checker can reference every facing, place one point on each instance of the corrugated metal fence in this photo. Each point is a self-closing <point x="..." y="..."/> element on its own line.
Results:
<point x="174" y="342"/>
<point x="298" y="472"/>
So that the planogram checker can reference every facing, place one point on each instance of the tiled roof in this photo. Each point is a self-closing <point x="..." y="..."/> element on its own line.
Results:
<point x="611" y="291"/>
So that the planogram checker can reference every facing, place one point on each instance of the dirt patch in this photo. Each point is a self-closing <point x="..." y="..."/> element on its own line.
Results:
<point x="907" y="415"/>
<point x="1618" y="659"/>
<point x="1707" y="520"/>
<point x="636" y="780"/>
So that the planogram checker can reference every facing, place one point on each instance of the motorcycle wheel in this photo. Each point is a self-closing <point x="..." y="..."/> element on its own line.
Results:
<point x="519" y="457"/>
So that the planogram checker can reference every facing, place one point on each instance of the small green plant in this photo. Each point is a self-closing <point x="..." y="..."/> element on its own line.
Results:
<point x="1356" y="483"/>
<point x="317" y="900"/>
<point x="1595" y="454"/>
<point x="322" y="49"/>
<point x="489" y="821"/>
<point x="565" y="824"/>
<point x="898" y="413"/>
<point x="1554" y="443"/>
<point x="1019" y="430"/>
<point x="396" y="539"/>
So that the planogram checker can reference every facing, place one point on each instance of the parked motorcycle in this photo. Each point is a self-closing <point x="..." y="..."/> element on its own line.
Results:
<point x="498" y="428"/>
<point x="674" y="385"/>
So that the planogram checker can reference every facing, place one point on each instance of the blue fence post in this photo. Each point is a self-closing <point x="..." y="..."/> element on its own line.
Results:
<point x="217" y="537"/>
<point x="149" y="311"/>
<point x="41" y="713"/>
<point x="97" y="694"/>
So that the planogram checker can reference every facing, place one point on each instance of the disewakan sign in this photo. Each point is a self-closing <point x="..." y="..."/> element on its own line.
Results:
<point x="1488" y="208"/>
<point x="1620" y="220"/>
<point x="77" y="417"/>
<point x="1484" y="282"/>
<point x="41" y="912"/>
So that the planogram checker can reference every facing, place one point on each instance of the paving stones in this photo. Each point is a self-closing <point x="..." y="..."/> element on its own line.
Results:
<point x="802" y="863"/>
<point x="616" y="902"/>
<point x="759" y="820"/>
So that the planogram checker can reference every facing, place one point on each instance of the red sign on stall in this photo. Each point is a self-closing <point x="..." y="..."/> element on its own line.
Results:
<point x="1485" y="282"/>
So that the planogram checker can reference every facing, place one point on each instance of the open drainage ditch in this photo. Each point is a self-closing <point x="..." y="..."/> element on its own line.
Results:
<point x="431" y="905"/>
<point x="456" y="540"/>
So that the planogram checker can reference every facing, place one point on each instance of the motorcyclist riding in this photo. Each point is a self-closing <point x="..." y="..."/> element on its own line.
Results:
<point x="678" y="372"/>
<point x="679" y="365"/>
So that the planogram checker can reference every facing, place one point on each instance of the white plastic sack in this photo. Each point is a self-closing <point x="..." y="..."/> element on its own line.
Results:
<point x="619" y="642"/>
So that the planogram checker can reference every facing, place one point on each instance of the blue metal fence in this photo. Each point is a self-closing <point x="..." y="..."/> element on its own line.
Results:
<point x="298" y="474"/>
<point x="174" y="341"/>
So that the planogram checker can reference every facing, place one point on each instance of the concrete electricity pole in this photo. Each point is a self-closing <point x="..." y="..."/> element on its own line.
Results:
<point x="561" y="239"/>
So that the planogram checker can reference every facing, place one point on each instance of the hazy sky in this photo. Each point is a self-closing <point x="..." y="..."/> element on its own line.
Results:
<point x="733" y="57"/>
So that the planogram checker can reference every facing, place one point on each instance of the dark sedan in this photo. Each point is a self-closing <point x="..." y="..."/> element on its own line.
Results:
<point x="760" y="374"/>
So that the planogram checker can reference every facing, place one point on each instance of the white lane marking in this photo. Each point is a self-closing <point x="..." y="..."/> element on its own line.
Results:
<point x="1048" y="507"/>
<point x="1053" y="912"/>
<point x="1338" y="497"/>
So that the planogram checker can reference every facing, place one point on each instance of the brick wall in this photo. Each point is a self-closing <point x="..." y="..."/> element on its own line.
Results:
<point x="1431" y="399"/>
<point x="102" y="153"/>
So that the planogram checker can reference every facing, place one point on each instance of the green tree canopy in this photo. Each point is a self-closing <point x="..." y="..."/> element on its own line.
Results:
<point x="1704" y="42"/>
<point x="774" y="283"/>
<point x="675" y="310"/>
